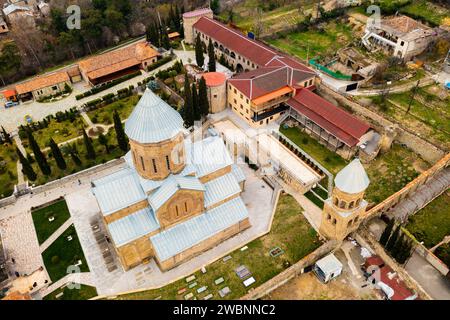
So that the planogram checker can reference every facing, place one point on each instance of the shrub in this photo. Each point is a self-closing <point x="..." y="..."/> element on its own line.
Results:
<point x="55" y="259"/>
<point x="159" y="63"/>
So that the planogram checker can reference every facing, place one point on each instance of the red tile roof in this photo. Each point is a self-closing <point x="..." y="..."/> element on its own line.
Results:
<point x="261" y="81"/>
<point x="196" y="13"/>
<point x="214" y="79"/>
<point x="333" y="119"/>
<point x="253" y="50"/>
<point x="386" y="275"/>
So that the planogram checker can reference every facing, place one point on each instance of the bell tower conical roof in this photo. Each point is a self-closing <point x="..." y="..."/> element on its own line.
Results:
<point x="353" y="178"/>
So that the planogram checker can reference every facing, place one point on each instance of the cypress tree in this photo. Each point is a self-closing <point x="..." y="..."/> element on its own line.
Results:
<point x="6" y="136"/>
<point x="122" y="139"/>
<point x="393" y="239"/>
<point x="60" y="162"/>
<point x="387" y="232"/>
<point x="203" y="97"/>
<point x="103" y="141"/>
<point x="187" y="112"/>
<point x="195" y="106"/>
<point x="38" y="154"/>
<point x="90" y="152"/>
<point x="199" y="58"/>
<point x="396" y="250"/>
<point x="212" y="57"/>
<point x="74" y="154"/>
<point x="27" y="169"/>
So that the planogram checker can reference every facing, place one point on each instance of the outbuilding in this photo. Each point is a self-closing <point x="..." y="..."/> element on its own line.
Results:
<point x="328" y="268"/>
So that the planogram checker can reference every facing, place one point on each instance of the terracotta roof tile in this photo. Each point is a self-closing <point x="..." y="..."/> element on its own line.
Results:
<point x="336" y="121"/>
<point x="117" y="60"/>
<point x="40" y="82"/>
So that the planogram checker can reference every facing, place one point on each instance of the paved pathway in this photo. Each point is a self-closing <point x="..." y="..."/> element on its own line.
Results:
<point x="20" y="176"/>
<point x="431" y="280"/>
<point x="55" y="235"/>
<point x="79" y="278"/>
<point x="422" y="196"/>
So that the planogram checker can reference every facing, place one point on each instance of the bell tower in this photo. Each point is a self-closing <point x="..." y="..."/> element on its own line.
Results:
<point x="156" y="139"/>
<point x="343" y="212"/>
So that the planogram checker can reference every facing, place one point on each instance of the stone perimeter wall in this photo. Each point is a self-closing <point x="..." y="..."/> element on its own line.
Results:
<point x="425" y="149"/>
<point x="409" y="189"/>
<point x="291" y="272"/>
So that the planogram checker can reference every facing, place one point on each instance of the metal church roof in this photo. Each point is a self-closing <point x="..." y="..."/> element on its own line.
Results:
<point x="353" y="178"/>
<point x="186" y="234"/>
<point x="118" y="190"/>
<point x="221" y="188"/>
<point x="133" y="226"/>
<point x="170" y="186"/>
<point x="153" y="120"/>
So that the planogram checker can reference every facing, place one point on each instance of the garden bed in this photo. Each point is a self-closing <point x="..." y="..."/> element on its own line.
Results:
<point x="104" y="115"/>
<point x="8" y="169"/>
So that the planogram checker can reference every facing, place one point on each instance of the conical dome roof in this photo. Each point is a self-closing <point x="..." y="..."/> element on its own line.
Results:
<point x="153" y="120"/>
<point x="353" y="178"/>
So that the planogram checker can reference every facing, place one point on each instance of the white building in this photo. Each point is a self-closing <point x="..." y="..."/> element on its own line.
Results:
<point x="399" y="36"/>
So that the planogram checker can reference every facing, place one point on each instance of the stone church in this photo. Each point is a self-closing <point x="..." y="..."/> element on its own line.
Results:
<point x="175" y="198"/>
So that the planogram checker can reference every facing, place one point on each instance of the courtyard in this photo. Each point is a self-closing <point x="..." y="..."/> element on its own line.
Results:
<point x="291" y="234"/>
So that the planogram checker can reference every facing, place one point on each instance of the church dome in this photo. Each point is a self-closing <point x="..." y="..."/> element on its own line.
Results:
<point x="353" y="178"/>
<point x="153" y="120"/>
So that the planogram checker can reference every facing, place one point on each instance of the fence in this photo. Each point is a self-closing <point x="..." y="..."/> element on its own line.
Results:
<point x="291" y="272"/>
<point x="331" y="73"/>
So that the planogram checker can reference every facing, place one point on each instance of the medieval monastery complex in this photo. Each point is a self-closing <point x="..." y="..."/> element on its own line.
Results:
<point x="176" y="198"/>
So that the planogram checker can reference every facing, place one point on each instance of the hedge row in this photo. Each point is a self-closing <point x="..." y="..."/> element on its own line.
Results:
<point x="107" y="85"/>
<point x="159" y="63"/>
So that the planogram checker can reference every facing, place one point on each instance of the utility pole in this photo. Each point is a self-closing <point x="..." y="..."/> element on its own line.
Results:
<point x="413" y="93"/>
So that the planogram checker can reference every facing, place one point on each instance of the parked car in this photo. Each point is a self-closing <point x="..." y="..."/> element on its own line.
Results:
<point x="28" y="118"/>
<point x="10" y="104"/>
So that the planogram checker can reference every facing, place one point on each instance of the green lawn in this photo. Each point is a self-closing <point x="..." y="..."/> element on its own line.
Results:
<point x="59" y="131"/>
<point x="319" y="43"/>
<point x="330" y="160"/>
<point x="316" y="200"/>
<point x="101" y="157"/>
<point x="8" y="169"/>
<point x="429" y="115"/>
<point x="84" y="293"/>
<point x="290" y="231"/>
<point x="426" y="10"/>
<point x="391" y="171"/>
<point x="62" y="254"/>
<point x="432" y="223"/>
<point x="104" y="114"/>
<point x="45" y="228"/>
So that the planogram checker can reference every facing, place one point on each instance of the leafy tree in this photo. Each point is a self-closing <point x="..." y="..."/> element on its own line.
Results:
<point x="103" y="140"/>
<point x="10" y="60"/>
<point x="38" y="155"/>
<point x="203" y="97"/>
<point x="212" y="57"/>
<point x="387" y="232"/>
<point x="27" y="169"/>
<point x="57" y="155"/>
<point x="90" y="151"/>
<point x="199" y="58"/>
<point x="122" y="139"/>
<point x="6" y="136"/>
<point x="393" y="239"/>
<point x="195" y="106"/>
<point x="215" y="6"/>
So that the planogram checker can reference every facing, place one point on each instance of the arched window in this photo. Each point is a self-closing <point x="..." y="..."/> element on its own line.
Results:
<point x="154" y="166"/>
<point x="351" y="205"/>
<point x="168" y="163"/>
<point x="142" y="164"/>
<point x="215" y="44"/>
<point x="342" y="204"/>
<point x="334" y="221"/>
<point x="233" y="55"/>
<point x="336" y="201"/>
<point x="328" y="216"/>
<point x="227" y="51"/>
<point x="358" y="202"/>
